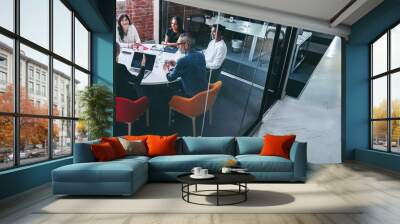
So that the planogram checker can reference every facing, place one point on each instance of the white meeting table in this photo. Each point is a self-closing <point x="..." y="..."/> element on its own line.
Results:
<point x="158" y="74"/>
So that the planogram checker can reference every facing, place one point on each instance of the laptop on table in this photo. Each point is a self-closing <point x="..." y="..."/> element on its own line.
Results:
<point x="137" y="61"/>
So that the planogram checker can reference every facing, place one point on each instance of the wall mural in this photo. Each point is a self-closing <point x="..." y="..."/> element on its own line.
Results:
<point x="198" y="72"/>
<point x="204" y="76"/>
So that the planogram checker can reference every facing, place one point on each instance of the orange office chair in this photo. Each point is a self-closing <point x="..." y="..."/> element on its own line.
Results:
<point x="127" y="110"/>
<point x="193" y="107"/>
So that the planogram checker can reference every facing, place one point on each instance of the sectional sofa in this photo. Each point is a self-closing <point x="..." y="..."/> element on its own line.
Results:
<point x="125" y="176"/>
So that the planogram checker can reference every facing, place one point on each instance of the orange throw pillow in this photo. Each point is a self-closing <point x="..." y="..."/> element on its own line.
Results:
<point x="275" y="145"/>
<point x="161" y="145"/>
<point x="116" y="145"/>
<point x="103" y="152"/>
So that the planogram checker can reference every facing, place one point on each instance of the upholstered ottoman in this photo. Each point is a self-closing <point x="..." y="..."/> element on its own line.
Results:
<point x="118" y="177"/>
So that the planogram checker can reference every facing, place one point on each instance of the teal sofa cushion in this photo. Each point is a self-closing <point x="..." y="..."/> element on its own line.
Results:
<point x="111" y="171"/>
<point x="249" y="145"/>
<point x="185" y="163"/>
<point x="208" y="145"/>
<point x="257" y="163"/>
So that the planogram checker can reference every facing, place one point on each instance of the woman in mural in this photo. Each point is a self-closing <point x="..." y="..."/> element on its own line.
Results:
<point x="173" y="33"/>
<point x="127" y="35"/>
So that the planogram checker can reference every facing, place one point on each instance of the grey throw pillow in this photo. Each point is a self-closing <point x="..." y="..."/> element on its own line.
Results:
<point x="136" y="147"/>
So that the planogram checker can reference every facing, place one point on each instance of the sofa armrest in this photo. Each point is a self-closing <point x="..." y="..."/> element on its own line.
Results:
<point x="83" y="152"/>
<point x="298" y="155"/>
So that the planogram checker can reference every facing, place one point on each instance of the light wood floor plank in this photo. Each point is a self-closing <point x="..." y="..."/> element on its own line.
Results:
<point x="376" y="190"/>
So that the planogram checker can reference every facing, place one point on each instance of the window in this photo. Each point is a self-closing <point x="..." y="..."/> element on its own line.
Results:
<point x="30" y="87"/>
<point x="30" y="72"/>
<point x="3" y="78"/>
<point x="3" y="72"/>
<point x="6" y="73"/>
<point x="3" y="61"/>
<point x="37" y="75"/>
<point x="7" y="14"/>
<point x="385" y="91"/>
<point x="44" y="91"/>
<point x="62" y="29"/>
<point x="35" y="21"/>
<point x="45" y="131"/>
<point x="81" y="45"/>
<point x="62" y="74"/>
<point x="38" y="89"/>
<point x="81" y="81"/>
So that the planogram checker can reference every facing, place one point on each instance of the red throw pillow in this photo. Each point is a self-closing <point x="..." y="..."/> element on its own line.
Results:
<point x="275" y="145"/>
<point x="103" y="152"/>
<point x="116" y="145"/>
<point x="161" y="145"/>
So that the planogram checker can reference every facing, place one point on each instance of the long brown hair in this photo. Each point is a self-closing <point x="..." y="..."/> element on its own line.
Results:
<point x="120" y="29"/>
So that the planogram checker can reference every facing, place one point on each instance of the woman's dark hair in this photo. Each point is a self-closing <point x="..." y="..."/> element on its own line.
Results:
<point x="120" y="30"/>
<point x="179" y="22"/>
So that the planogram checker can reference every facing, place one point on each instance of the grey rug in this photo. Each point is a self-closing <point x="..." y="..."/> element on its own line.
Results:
<point x="166" y="198"/>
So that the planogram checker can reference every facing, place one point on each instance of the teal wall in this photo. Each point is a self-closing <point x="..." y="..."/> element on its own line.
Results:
<point x="24" y="178"/>
<point x="99" y="16"/>
<point x="357" y="84"/>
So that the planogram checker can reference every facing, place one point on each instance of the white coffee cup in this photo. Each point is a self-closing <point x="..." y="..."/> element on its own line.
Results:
<point x="196" y="171"/>
<point x="203" y="172"/>
<point x="226" y="170"/>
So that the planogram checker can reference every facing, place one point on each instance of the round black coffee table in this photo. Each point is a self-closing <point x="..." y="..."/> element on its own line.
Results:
<point x="238" y="179"/>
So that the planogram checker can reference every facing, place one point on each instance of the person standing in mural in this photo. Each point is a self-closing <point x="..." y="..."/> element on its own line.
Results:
<point x="216" y="52"/>
<point x="127" y="85"/>
<point x="173" y="33"/>
<point x="127" y="35"/>
<point x="191" y="68"/>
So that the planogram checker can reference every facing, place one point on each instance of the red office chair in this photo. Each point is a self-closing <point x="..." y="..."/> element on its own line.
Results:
<point x="127" y="111"/>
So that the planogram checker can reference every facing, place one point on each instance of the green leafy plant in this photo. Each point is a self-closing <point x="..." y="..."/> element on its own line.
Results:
<point x="96" y="104"/>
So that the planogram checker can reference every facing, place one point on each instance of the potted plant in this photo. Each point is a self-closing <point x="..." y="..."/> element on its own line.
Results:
<point x="96" y="104"/>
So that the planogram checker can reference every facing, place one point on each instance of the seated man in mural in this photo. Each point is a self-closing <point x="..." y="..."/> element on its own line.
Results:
<point x="216" y="52"/>
<point x="127" y="85"/>
<point x="191" y="68"/>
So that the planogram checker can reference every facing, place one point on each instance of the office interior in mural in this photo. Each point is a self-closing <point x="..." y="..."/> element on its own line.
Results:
<point x="262" y="63"/>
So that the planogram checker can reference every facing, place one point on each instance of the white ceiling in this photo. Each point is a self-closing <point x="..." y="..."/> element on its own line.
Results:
<point x="314" y="15"/>
<point x="318" y="9"/>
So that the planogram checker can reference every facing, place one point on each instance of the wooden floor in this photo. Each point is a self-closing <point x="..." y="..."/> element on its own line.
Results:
<point x="377" y="188"/>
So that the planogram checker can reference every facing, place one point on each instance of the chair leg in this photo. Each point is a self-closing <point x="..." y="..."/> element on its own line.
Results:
<point x="129" y="128"/>
<point x="210" y="116"/>
<point x="148" y="117"/>
<point x="194" y="126"/>
<point x="169" y="117"/>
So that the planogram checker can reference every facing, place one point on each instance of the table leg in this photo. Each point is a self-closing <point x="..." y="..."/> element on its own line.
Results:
<point x="195" y="188"/>
<point x="217" y="194"/>
<point x="245" y="193"/>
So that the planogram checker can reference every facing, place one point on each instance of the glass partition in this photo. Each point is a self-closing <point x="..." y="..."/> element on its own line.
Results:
<point x="212" y="86"/>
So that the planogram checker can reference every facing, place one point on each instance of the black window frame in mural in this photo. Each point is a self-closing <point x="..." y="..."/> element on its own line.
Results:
<point x="388" y="74"/>
<point x="16" y="115"/>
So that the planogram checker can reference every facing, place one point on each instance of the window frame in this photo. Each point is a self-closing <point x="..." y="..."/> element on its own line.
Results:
<point x="388" y="74"/>
<point x="16" y="114"/>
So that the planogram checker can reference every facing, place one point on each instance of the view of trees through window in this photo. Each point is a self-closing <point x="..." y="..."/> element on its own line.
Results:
<point x="385" y="92"/>
<point x="38" y="124"/>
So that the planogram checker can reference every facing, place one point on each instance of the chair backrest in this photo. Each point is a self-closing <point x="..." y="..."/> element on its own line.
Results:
<point x="213" y="93"/>
<point x="122" y="109"/>
<point x="127" y="110"/>
<point x="201" y="98"/>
